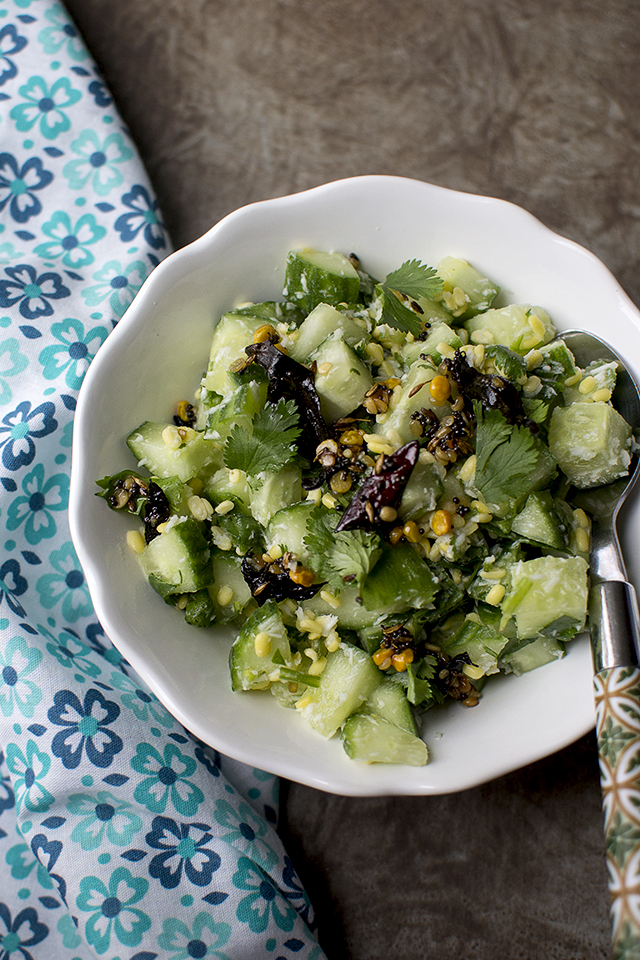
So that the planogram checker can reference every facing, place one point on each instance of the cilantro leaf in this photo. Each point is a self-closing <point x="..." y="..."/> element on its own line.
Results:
<point x="350" y="553"/>
<point x="270" y="445"/>
<point x="414" y="279"/>
<point x="505" y="456"/>
<point x="420" y="690"/>
<point x="395" y="313"/>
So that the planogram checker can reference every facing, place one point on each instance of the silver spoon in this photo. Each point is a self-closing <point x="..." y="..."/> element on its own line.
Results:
<point x="615" y="644"/>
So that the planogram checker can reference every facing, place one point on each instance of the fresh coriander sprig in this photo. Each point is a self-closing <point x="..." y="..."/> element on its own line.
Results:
<point x="270" y="445"/>
<point x="505" y="456"/>
<point x="350" y="553"/>
<point x="413" y="279"/>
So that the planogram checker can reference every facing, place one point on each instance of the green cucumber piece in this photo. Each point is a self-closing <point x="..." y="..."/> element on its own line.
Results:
<point x="598" y="375"/>
<point x="150" y="450"/>
<point x="389" y="701"/>
<point x="372" y="739"/>
<point x="351" y="613"/>
<point x="348" y="680"/>
<point x="540" y="521"/>
<point x="535" y="654"/>
<point x="482" y="642"/>
<point x="248" y="670"/>
<point x="287" y="528"/>
<point x="341" y="378"/>
<point x="413" y="396"/>
<point x="438" y="333"/>
<point x="313" y="277"/>
<point x="220" y="487"/>
<point x="276" y="491"/>
<point x="400" y="580"/>
<point x="520" y="327"/>
<point x="545" y="593"/>
<point x="591" y="443"/>
<point x="237" y="407"/>
<point x="180" y="556"/>
<point x="231" y="335"/>
<point x="323" y="321"/>
<point x="423" y="490"/>
<point x="458" y="275"/>
<point x="229" y="585"/>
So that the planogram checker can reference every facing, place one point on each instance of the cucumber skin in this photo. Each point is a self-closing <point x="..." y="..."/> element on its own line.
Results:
<point x="372" y="739"/>
<point x="347" y="682"/>
<point x="307" y="284"/>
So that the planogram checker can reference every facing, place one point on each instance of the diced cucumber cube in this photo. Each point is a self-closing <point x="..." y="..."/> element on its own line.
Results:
<point x="400" y="580"/>
<point x="287" y="528"/>
<point x="320" y="324"/>
<point x="519" y="327"/>
<point x="414" y="395"/>
<point x="423" y="490"/>
<point x="371" y="739"/>
<point x="231" y="335"/>
<point x="557" y="358"/>
<point x="536" y="654"/>
<point x="179" y="556"/>
<point x="541" y="522"/>
<point x="465" y="291"/>
<point x="596" y="377"/>
<point x="547" y="591"/>
<point x="314" y="277"/>
<point x="237" y="407"/>
<point x="591" y="442"/>
<point x="389" y="702"/>
<point x="341" y="379"/>
<point x="276" y="491"/>
<point x="147" y="445"/>
<point x="230" y="592"/>
<point x="482" y="642"/>
<point x="351" y="612"/>
<point x="251" y="668"/>
<point x="347" y="681"/>
<point x="220" y="487"/>
<point x="438" y="333"/>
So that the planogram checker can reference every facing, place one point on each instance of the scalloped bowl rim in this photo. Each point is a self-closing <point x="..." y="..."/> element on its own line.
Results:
<point x="520" y="720"/>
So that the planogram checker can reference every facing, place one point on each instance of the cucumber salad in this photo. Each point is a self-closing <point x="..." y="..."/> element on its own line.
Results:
<point x="373" y="484"/>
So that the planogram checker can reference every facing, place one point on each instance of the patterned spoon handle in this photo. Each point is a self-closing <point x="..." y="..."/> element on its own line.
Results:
<point x="617" y="701"/>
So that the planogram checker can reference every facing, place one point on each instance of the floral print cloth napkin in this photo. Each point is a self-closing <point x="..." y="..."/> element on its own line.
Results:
<point x="121" y="836"/>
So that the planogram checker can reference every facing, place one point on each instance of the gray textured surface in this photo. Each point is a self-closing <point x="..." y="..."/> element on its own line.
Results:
<point x="232" y="101"/>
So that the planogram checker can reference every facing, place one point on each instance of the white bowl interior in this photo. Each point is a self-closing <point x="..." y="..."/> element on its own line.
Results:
<point x="157" y="355"/>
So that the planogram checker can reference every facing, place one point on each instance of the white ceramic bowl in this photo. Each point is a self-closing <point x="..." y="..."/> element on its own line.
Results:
<point x="157" y="355"/>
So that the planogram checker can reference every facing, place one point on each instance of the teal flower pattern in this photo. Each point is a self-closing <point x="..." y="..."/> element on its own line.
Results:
<point x="245" y="831"/>
<point x="120" y="833"/>
<point x="17" y="661"/>
<point x="21" y="861"/>
<point x="12" y="362"/>
<point x="73" y="353"/>
<point x="61" y="37"/>
<point x="70" y="241"/>
<point x="45" y="106"/>
<point x="102" y="817"/>
<point x="116" y="283"/>
<point x="144" y="705"/>
<point x="166" y="780"/>
<point x="112" y="909"/>
<point x="202" y="939"/>
<point x="42" y="498"/>
<point x="71" y="652"/>
<point x="263" y="900"/>
<point x="29" y="770"/>
<point x="65" y="586"/>
<point x="98" y="162"/>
